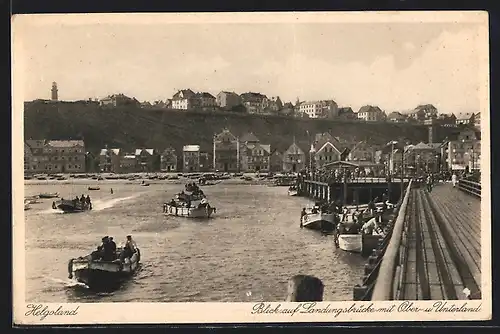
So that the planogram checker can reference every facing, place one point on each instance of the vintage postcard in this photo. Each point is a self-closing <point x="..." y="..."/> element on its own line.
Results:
<point x="251" y="167"/>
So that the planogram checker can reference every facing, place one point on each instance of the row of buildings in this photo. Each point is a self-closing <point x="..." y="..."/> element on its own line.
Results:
<point x="257" y="103"/>
<point x="230" y="153"/>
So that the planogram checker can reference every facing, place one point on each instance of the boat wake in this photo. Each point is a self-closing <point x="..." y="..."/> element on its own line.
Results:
<point x="69" y="283"/>
<point x="51" y="211"/>
<point x="99" y="205"/>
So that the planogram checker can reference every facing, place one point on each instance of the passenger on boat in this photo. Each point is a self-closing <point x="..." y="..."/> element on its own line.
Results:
<point x="302" y="214"/>
<point x="371" y="206"/>
<point x="108" y="252"/>
<point x="370" y="226"/>
<point x="314" y="210"/>
<point x="99" y="253"/>
<point x="129" y="248"/>
<point x="112" y="246"/>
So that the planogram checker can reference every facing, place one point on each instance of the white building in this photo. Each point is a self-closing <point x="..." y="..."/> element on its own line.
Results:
<point x="319" y="109"/>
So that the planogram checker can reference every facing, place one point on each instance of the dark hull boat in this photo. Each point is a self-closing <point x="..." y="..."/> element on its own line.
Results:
<point x="98" y="274"/>
<point x="48" y="195"/>
<point x="71" y="206"/>
<point x="94" y="188"/>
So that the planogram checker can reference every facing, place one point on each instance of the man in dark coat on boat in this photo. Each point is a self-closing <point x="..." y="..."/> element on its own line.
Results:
<point x="112" y="245"/>
<point x="107" y="250"/>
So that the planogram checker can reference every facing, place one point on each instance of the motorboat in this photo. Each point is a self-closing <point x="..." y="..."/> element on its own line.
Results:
<point x="96" y="273"/>
<point x="359" y="243"/>
<point x="351" y="238"/>
<point x="94" y="188"/>
<point x="71" y="205"/>
<point x="190" y="205"/>
<point x="316" y="219"/>
<point x="204" y="211"/>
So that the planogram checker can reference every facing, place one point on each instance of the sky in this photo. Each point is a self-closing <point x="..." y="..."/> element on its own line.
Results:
<point x="395" y="65"/>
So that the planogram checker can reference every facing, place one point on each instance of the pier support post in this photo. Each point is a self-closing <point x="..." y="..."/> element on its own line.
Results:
<point x="305" y="288"/>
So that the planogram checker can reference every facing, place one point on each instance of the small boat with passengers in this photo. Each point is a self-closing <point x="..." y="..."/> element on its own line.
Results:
<point x="73" y="205"/>
<point x="190" y="203"/>
<point x="359" y="232"/>
<point x="94" y="188"/>
<point x="108" y="266"/>
<point x="317" y="218"/>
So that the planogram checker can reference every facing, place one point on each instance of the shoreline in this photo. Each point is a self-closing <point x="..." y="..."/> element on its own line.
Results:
<point x="180" y="181"/>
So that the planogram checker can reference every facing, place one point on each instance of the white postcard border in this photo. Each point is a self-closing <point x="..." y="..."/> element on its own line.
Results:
<point x="348" y="311"/>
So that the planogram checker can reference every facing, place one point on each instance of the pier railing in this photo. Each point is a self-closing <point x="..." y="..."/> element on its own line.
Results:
<point x="352" y="179"/>
<point x="471" y="187"/>
<point x="384" y="288"/>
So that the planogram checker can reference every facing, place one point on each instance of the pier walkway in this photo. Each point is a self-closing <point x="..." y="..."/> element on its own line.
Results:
<point x="435" y="249"/>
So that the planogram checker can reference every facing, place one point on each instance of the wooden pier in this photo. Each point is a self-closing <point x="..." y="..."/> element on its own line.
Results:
<point x="433" y="251"/>
<point x="352" y="191"/>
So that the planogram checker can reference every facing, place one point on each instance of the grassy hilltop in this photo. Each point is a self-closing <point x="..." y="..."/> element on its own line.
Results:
<point x="129" y="128"/>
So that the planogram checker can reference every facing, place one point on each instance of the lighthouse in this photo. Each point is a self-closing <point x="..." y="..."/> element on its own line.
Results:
<point x="54" y="91"/>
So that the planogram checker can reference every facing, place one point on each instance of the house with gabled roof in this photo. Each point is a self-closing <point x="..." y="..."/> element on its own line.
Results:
<point x="168" y="160"/>
<point x="109" y="160"/>
<point x="206" y="101"/>
<point x="184" y="99"/>
<point x="294" y="158"/>
<point x="148" y="160"/>
<point x="255" y="103"/>
<point x="226" y="152"/>
<point x="465" y="118"/>
<point x="371" y="113"/>
<point x="396" y="117"/>
<point x="255" y="156"/>
<point x="326" y="149"/>
<point x="361" y="151"/>
<point x="119" y="100"/>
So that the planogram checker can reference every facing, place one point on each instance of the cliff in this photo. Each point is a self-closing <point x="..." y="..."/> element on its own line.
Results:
<point x="133" y="127"/>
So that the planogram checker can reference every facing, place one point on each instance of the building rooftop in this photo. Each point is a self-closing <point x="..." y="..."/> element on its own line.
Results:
<point x="66" y="143"/>
<point x="191" y="148"/>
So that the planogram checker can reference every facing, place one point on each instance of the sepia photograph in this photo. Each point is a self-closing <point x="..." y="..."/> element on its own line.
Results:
<point x="251" y="167"/>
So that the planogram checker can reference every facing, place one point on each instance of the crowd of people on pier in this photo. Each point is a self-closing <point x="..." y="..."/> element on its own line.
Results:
<point x="341" y="174"/>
